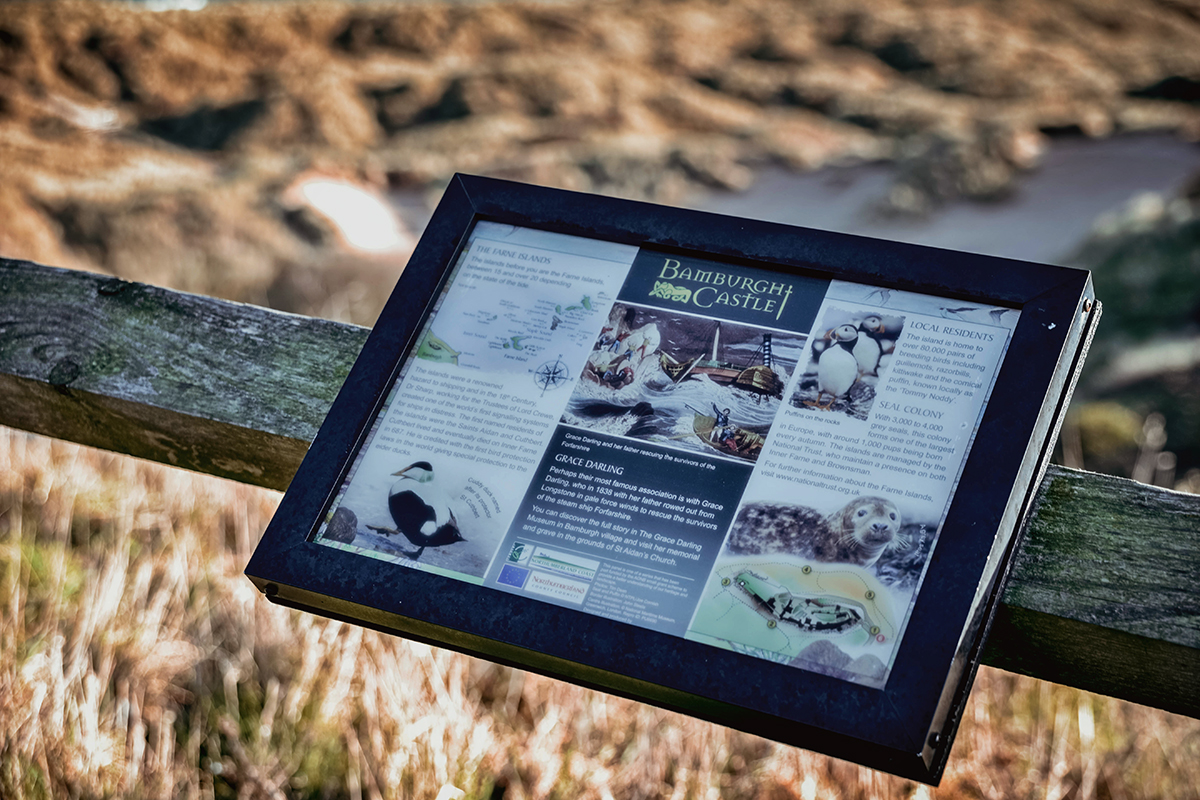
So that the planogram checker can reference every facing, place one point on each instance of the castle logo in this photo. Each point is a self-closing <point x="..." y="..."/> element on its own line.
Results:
<point x="667" y="291"/>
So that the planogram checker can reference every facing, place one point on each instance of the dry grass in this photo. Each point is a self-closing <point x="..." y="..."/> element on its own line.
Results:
<point x="136" y="661"/>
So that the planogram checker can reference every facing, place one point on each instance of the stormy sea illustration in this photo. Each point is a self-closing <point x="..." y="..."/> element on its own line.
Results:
<point x="722" y="405"/>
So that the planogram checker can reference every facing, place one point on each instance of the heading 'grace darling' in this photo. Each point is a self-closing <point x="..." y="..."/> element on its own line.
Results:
<point x="722" y="289"/>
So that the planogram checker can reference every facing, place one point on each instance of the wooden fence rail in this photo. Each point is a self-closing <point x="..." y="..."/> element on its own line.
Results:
<point x="1103" y="594"/>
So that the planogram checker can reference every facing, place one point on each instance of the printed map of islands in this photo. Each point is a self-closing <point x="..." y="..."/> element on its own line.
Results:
<point x="511" y="329"/>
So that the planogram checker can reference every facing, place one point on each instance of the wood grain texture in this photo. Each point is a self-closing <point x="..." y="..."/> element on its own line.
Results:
<point x="217" y="387"/>
<point x="1102" y="593"/>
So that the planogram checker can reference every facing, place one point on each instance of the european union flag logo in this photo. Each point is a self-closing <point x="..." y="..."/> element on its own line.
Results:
<point x="512" y="576"/>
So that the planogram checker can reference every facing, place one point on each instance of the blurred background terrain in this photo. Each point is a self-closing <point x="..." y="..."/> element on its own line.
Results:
<point x="289" y="153"/>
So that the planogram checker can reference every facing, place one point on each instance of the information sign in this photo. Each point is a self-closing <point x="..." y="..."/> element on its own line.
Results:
<point x="764" y="475"/>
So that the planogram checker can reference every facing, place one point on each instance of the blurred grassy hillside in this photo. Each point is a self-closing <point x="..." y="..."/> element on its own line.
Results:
<point x="136" y="661"/>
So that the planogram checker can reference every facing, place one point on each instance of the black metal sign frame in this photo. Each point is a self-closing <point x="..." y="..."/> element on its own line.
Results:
<point x="906" y="727"/>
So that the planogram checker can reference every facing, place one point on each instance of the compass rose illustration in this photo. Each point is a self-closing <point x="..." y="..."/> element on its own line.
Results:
<point x="550" y="375"/>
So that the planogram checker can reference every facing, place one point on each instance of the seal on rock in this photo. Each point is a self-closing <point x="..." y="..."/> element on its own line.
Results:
<point x="858" y="533"/>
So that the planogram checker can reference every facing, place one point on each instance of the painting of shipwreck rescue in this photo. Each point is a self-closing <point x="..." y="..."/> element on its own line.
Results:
<point x="684" y="381"/>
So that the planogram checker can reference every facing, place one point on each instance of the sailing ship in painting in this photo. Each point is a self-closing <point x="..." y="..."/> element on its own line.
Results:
<point x="757" y="377"/>
<point x="621" y="348"/>
<point x="684" y="381"/>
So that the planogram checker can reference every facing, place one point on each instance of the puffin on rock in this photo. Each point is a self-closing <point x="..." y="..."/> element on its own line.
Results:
<point x="868" y="348"/>
<point x="838" y="368"/>
<point x="420" y="510"/>
<point x="821" y="345"/>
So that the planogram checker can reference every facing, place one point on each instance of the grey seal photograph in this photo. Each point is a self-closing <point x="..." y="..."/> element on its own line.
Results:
<point x="858" y="533"/>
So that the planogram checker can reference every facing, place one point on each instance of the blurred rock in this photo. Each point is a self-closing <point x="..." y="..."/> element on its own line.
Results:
<point x="343" y="526"/>
<point x="822" y="655"/>
<point x="935" y="169"/>
<point x="1108" y="433"/>
<point x="156" y="146"/>
<point x="1145" y="261"/>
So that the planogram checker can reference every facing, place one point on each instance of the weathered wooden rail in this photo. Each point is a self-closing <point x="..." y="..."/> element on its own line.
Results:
<point x="1103" y="593"/>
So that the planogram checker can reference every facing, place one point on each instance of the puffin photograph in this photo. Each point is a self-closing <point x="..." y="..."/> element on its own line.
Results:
<point x="821" y="345"/>
<point x="420" y="511"/>
<point x="868" y="348"/>
<point x="838" y="368"/>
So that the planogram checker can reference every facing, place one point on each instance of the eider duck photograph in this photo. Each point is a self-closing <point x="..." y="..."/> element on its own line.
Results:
<point x="420" y="511"/>
<point x="430" y="512"/>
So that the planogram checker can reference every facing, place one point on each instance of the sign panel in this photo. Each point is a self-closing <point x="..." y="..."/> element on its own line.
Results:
<point x="718" y="452"/>
<point x="591" y="438"/>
